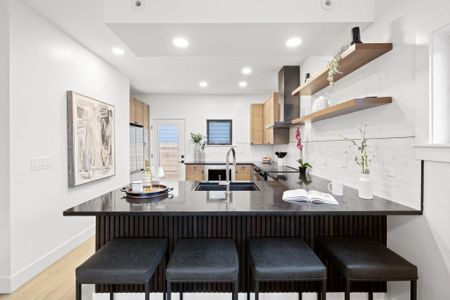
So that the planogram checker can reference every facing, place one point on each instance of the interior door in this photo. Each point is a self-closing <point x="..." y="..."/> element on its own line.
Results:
<point x="168" y="146"/>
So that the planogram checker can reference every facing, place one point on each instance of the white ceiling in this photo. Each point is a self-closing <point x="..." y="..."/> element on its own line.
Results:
<point x="217" y="51"/>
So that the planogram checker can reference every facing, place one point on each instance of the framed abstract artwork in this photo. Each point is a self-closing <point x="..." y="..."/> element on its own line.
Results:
<point x="91" y="139"/>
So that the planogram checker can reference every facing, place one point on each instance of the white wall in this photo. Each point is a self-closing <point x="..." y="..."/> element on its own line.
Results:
<point x="4" y="146"/>
<point x="196" y="109"/>
<point x="425" y="240"/>
<point x="45" y="63"/>
<point x="403" y="74"/>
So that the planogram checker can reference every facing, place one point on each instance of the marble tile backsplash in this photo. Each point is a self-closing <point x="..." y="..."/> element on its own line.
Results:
<point x="395" y="171"/>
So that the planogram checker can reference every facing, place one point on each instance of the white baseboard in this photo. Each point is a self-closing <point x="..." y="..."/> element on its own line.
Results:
<point x="9" y="285"/>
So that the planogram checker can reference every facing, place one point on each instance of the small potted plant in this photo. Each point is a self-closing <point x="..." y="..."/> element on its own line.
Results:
<point x="199" y="141"/>
<point x="363" y="159"/>
<point x="303" y="164"/>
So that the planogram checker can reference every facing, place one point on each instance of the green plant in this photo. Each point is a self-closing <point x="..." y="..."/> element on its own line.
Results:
<point x="198" y="138"/>
<point x="362" y="159"/>
<point x="333" y="67"/>
<point x="304" y="164"/>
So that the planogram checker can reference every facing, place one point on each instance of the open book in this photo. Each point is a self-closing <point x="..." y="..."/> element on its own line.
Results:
<point x="301" y="195"/>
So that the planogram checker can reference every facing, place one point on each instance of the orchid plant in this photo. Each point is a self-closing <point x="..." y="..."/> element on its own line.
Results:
<point x="362" y="159"/>
<point x="300" y="146"/>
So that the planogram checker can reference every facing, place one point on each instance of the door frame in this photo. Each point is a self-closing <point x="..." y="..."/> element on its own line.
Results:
<point x="154" y="137"/>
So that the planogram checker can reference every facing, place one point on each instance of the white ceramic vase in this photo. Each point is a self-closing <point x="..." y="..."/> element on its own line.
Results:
<point x="280" y="161"/>
<point x="365" y="187"/>
<point x="197" y="153"/>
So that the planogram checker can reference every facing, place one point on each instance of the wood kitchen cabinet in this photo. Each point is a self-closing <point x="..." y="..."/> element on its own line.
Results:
<point x="243" y="172"/>
<point x="138" y="111"/>
<point x="256" y="124"/>
<point x="195" y="173"/>
<point x="140" y="116"/>
<point x="262" y="118"/>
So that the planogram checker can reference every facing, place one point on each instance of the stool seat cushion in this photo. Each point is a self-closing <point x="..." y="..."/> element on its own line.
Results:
<point x="364" y="259"/>
<point x="280" y="259"/>
<point x="123" y="261"/>
<point x="203" y="260"/>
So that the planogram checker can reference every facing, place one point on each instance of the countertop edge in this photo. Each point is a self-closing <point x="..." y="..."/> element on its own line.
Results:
<point x="240" y="213"/>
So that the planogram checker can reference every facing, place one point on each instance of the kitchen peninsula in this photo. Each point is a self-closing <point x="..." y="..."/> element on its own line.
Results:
<point x="240" y="216"/>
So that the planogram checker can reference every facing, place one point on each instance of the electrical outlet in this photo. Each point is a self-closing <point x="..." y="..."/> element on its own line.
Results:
<point x="41" y="163"/>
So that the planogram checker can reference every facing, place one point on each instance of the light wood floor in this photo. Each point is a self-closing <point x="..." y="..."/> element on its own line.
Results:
<point x="58" y="281"/>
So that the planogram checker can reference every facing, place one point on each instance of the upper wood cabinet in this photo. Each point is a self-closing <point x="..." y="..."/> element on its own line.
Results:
<point x="140" y="115"/>
<point x="271" y="110"/>
<point x="138" y="111"/>
<point x="256" y="124"/>
<point x="262" y="118"/>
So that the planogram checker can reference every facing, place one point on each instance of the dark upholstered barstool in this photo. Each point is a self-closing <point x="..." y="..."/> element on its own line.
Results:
<point x="122" y="261"/>
<point x="359" y="259"/>
<point x="203" y="260"/>
<point x="285" y="259"/>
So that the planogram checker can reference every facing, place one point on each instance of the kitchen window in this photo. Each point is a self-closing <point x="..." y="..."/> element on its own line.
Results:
<point x="219" y="132"/>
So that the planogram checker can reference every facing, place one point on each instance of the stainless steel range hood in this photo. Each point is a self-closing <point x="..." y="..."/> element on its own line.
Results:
<point x="288" y="81"/>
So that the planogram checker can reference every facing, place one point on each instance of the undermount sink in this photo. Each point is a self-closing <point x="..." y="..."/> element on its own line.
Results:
<point x="234" y="186"/>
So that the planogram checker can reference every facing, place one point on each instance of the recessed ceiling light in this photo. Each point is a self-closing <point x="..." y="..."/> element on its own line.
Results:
<point x="294" y="42"/>
<point x="203" y="84"/>
<point x="118" y="51"/>
<point x="180" y="42"/>
<point x="242" y="84"/>
<point x="246" y="71"/>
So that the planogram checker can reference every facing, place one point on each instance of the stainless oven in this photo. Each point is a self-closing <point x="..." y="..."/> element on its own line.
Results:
<point x="218" y="172"/>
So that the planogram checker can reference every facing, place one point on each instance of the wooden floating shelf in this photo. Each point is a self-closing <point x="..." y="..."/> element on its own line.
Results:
<point x="352" y="59"/>
<point x="343" y="108"/>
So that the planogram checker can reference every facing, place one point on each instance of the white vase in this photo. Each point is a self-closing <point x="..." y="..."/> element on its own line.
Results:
<point x="197" y="153"/>
<point x="280" y="161"/>
<point x="365" y="187"/>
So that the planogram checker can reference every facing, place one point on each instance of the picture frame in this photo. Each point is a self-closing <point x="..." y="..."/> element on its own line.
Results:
<point x="91" y="139"/>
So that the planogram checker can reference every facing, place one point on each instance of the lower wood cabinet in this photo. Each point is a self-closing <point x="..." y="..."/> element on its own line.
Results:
<point x="243" y="172"/>
<point x="195" y="173"/>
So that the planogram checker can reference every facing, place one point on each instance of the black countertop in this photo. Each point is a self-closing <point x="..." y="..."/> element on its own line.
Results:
<point x="264" y="167"/>
<point x="267" y="201"/>
<point x="208" y="163"/>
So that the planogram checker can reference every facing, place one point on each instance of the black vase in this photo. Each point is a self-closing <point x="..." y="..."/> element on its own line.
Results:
<point x="356" y="36"/>
<point x="308" y="75"/>
<point x="302" y="170"/>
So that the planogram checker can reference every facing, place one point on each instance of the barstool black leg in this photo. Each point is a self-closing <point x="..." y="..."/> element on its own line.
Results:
<point x="78" y="291"/>
<point x="248" y="295"/>
<point x="235" y="290"/>
<point x="300" y="296"/>
<point x="147" y="291"/>
<point x="256" y="290"/>
<point x="169" y="291"/>
<point x="181" y="295"/>
<point x="111" y="292"/>
<point x="414" y="290"/>
<point x="347" y="290"/>
<point x="324" y="290"/>
<point x="370" y="295"/>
